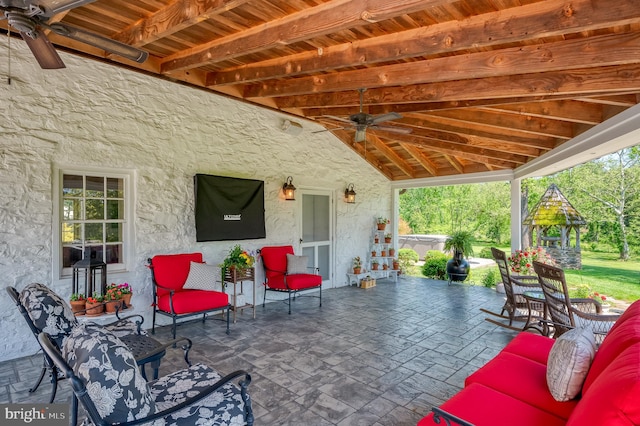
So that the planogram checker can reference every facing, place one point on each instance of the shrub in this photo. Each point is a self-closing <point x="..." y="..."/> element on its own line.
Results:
<point x="485" y="253"/>
<point x="490" y="278"/>
<point x="435" y="265"/>
<point x="407" y="258"/>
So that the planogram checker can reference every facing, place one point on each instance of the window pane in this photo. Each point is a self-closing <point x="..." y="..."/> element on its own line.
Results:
<point x="71" y="233"/>
<point x="95" y="210"/>
<point x="93" y="233"/>
<point x="72" y="209"/>
<point x="94" y="252"/>
<point x="115" y="209"/>
<point x="114" y="254"/>
<point x="72" y="185"/>
<point x="95" y="186"/>
<point x="114" y="232"/>
<point x="70" y="255"/>
<point x="115" y="188"/>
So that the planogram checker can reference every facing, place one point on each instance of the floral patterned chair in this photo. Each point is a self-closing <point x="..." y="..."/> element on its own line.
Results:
<point x="45" y="311"/>
<point x="106" y="381"/>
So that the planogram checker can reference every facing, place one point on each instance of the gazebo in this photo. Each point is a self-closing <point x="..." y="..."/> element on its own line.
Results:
<point x="553" y="219"/>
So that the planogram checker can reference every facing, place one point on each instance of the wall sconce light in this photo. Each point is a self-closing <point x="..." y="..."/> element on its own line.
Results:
<point x="289" y="190"/>
<point x="350" y="194"/>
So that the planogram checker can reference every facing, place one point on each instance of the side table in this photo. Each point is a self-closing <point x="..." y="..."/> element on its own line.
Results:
<point x="235" y="277"/>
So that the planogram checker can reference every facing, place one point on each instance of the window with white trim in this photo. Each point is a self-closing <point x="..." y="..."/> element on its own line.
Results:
<point x="93" y="219"/>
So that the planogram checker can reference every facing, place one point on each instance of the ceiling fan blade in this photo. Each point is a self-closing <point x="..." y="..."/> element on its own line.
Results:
<point x="361" y="135"/>
<point x="331" y="130"/>
<point x="104" y="43"/>
<point x="333" y="117"/>
<point x="385" y="117"/>
<point x="53" y="7"/>
<point x="43" y="50"/>
<point x="401" y="130"/>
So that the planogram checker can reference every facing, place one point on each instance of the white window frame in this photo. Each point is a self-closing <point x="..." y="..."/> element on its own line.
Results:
<point x="128" y="230"/>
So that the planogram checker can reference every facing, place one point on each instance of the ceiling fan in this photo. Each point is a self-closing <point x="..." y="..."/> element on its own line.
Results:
<point x="30" y="18"/>
<point x="363" y="121"/>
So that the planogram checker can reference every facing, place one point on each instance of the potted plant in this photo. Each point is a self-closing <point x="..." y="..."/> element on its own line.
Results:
<point x="94" y="305"/>
<point x="357" y="265"/>
<point x="396" y="264"/>
<point x="113" y="298"/>
<point x="383" y="253"/>
<point x="77" y="302"/>
<point x="460" y="244"/>
<point x="374" y="264"/>
<point x="127" y="294"/>
<point x="392" y="252"/>
<point x="387" y="238"/>
<point x="237" y="261"/>
<point x="382" y="223"/>
<point x="385" y="266"/>
<point x="373" y="253"/>
<point x="376" y="239"/>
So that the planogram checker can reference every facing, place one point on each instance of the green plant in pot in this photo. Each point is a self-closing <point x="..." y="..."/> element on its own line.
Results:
<point x="460" y="244"/>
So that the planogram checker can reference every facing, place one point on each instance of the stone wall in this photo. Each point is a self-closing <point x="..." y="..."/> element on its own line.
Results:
<point x="94" y="115"/>
<point x="567" y="259"/>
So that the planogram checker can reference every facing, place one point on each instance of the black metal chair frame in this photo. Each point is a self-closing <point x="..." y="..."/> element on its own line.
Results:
<point x="145" y="349"/>
<point x="81" y="395"/>
<point x="173" y="315"/>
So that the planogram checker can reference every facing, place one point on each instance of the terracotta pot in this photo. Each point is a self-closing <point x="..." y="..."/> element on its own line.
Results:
<point x="385" y="266"/>
<point x="392" y="252"/>
<point x="356" y="270"/>
<point x="77" y="306"/>
<point x="376" y="240"/>
<point x="374" y="266"/>
<point x="396" y="265"/>
<point x="387" y="240"/>
<point x="112" y="305"/>
<point x="381" y="226"/>
<point x="373" y="254"/>
<point x="126" y="299"/>
<point x="94" y="309"/>
<point x="383" y="253"/>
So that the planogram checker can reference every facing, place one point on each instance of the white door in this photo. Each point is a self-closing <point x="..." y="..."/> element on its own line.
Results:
<point x="317" y="230"/>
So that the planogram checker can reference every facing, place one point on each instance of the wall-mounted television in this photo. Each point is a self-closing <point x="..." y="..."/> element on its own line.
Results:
<point x="228" y="208"/>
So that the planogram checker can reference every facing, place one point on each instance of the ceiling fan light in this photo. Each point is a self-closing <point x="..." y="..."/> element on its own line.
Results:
<point x="361" y="135"/>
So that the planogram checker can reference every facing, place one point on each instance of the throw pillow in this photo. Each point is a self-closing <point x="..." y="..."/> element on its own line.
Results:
<point x="113" y="380"/>
<point x="48" y="311"/>
<point x="297" y="264"/>
<point x="569" y="362"/>
<point x="202" y="277"/>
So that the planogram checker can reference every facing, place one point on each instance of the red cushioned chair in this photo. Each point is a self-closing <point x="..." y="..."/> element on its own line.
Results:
<point x="278" y="274"/>
<point x="169" y="273"/>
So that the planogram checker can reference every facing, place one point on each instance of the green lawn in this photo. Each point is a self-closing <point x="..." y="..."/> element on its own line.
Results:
<point x="601" y="272"/>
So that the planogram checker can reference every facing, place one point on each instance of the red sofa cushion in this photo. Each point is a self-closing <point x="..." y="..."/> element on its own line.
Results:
<point x="626" y="332"/>
<point x="523" y="379"/>
<point x="274" y="259"/>
<point x="532" y="346"/>
<point x="613" y="399"/>
<point x="189" y="301"/>
<point x="172" y="270"/>
<point x="484" y="406"/>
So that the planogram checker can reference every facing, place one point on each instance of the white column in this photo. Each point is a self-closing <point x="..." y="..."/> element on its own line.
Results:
<point x="516" y="216"/>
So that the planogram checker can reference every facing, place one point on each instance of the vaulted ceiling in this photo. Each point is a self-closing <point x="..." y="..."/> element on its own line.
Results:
<point x="481" y="85"/>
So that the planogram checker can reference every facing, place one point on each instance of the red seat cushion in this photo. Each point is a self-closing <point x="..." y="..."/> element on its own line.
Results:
<point x="189" y="301"/>
<point x="484" y="406"/>
<point x="532" y="346"/>
<point x="274" y="260"/>
<point x="523" y="379"/>
<point x="613" y="399"/>
<point x="172" y="270"/>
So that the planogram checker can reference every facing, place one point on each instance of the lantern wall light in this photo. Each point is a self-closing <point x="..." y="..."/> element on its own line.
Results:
<point x="350" y="194"/>
<point x="289" y="190"/>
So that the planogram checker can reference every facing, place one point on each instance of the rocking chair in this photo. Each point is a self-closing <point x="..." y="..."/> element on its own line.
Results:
<point x="567" y="313"/>
<point x="516" y="306"/>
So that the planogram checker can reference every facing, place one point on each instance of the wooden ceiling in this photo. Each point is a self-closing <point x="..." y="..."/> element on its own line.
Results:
<point x="483" y="85"/>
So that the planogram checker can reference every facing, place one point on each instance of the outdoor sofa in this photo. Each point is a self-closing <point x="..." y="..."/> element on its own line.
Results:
<point x="514" y="387"/>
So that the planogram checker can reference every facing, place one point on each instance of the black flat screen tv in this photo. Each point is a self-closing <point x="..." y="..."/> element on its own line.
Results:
<point x="228" y="208"/>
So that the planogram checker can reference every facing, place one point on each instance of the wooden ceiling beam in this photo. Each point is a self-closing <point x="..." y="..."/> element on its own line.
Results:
<point x="420" y="157"/>
<point x="533" y="21"/>
<point x="347" y="139"/>
<point x="387" y="152"/>
<point x="174" y="17"/>
<point x="599" y="51"/>
<point x="320" y="20"/>
<point x="576" y="112"/>
<point x="577" y="82"/>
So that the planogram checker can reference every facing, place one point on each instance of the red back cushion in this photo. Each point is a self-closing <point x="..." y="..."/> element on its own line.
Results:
<point x="171" y="270"/>
<point x="274" y="260"/>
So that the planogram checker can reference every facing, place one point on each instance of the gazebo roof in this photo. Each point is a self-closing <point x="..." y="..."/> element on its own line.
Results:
<point x="554" y="209"/>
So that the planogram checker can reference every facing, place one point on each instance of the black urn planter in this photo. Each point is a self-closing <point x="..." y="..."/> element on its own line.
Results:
<point x="458" y="268"/>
